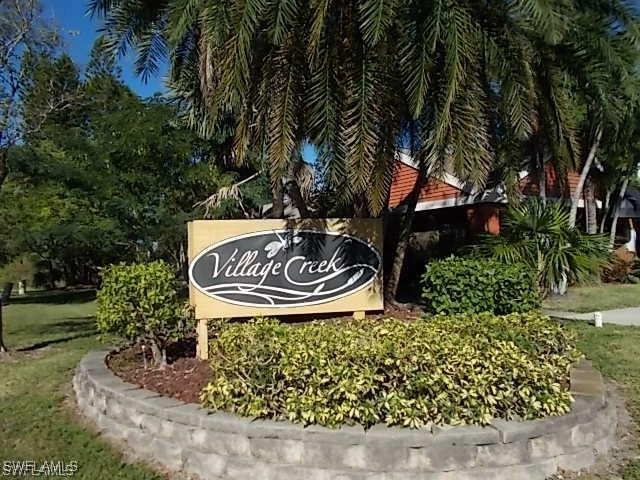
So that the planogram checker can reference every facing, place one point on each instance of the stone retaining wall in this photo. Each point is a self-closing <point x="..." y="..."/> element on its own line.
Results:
<point x="216" y="446"/>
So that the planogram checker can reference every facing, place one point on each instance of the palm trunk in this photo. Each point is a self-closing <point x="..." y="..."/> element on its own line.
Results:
<point x="605" y="210"/>
<point x="393" y="279"/>
<point x="614" y="221"/>
<point x="575" y="199"/>
<point x="542" y="179"/>
<point x="293" y="189"/>
<point x="360" y="207"/>
<point x="277" y="209"/>
<point x="591" y="214"/>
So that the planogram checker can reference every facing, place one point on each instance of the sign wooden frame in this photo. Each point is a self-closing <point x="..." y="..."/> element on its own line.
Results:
<point x="218" y="244"/>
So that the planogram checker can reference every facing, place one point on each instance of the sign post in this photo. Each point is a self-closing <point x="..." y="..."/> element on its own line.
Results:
<point x="252" y="268"/>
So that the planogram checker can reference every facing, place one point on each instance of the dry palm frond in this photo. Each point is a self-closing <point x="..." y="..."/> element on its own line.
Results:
<point x="304" y="176"/>
<point x="231" y="192"/>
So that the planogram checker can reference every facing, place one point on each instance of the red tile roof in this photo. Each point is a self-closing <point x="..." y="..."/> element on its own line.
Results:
<point x="405" y="176"/>
<point x="404" y="179"/>
<point x="529" y="185"/>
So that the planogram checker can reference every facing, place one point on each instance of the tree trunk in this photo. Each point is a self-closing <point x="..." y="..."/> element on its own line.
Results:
<point x="614" y="221"/>
<point x="51" y="284"/>
<point x="159" y="355"/>
<point x="605" y="210"/>
<point x="4" y="171"/>
<point x="393" y="279"/>
<point x="4" y="165"/>
<point x="277" y="208"/>
<point x="542" y="179"/>
<point x="3" y="347"/>
<point x="575" y="199"/>
<point x="590" y="210"/>
<point x="293" y="190"/>
<point x="4" y="298"/>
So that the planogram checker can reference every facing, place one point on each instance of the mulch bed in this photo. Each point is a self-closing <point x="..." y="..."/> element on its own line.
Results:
<point x="183" y="378"/>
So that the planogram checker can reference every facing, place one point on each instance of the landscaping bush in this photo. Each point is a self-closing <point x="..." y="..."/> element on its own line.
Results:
<point x="446" y="370"/>
<point x="466" y="285"/>
<point x="140" y="302"/>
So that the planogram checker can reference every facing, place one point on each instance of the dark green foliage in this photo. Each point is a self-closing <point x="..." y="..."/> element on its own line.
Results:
<point x="108" y="177"/>
<point x="446" y="370"/>
<point x="101" y="63"/>
<point x="465" y="285"/>
<point x="515" y="289"/>
<point x="140" y="302"/>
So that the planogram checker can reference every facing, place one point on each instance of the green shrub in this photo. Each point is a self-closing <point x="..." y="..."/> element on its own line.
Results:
<point x="140" y="302"/>
<point x="447" y="370"/>
<point x="467" y="285"/>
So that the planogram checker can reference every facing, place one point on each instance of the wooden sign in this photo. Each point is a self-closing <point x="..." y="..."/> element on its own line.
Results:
<point x="249" y="268"/>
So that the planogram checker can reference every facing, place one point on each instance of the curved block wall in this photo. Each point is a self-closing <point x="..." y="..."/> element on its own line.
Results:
<point x="219" y="446"/>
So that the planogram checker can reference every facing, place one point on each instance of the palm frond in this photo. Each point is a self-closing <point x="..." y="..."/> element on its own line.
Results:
<point x="417" y="51"/>
<point x="231" y="192"/>
<point x="282" y="122"/>
<point x="358" y="135"/>
<point x="478" y="84"/>
<point x="283" y="17"/>
<point x="376" y="17"/>
<point x="235" y="80"/>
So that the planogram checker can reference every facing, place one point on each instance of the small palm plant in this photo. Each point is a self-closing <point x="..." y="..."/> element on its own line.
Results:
<point x="538" y="234"/>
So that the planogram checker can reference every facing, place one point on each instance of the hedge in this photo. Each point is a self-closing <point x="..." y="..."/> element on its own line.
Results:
<point x="469" y="285"/>
<point x="446" y="370"/>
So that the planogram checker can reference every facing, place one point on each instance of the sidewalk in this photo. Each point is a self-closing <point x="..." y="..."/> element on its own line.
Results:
<point x="618" y="316"/>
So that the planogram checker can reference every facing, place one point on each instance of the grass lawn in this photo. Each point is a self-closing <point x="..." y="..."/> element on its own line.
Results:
<point x="615" y="351"/>
<point x="36" y="412"/>
<point x="591" y="299"/>
<point x="36" y="417"/>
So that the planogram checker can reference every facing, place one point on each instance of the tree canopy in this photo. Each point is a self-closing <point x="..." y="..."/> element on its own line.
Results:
<point x="456" y="81"/>
<point x="110" y="178"/>
<point x="23" y="31"/>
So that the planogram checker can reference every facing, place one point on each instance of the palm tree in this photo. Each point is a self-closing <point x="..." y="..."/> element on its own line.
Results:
<point x="356" y="78"/>
<point x="583" y="82"/>
<point x="540" y="236"/>
<point x="603" y="58"/>
<point x="620" y="159"/>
